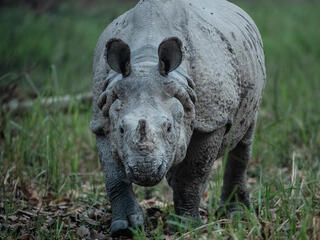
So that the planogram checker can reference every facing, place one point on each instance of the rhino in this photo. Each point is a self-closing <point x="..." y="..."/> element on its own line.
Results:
<point x="177" y="85"/>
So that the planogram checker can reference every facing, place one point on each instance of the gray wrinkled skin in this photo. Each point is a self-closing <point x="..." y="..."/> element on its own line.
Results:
<point x="176" y="83"/>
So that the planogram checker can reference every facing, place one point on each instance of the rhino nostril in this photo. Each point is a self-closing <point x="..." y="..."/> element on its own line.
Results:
<point x="141" y="148"/>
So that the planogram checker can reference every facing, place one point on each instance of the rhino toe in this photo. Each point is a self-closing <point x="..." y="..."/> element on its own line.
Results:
<point x="136" y="220"/>
<point x="120" y="228"/>
<point x="231" y="210"/>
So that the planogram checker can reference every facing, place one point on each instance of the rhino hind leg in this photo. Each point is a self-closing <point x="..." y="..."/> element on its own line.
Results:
<point x="126" y="212"/>
<point x="189" y="179"/>
<point x="235" y="193"/>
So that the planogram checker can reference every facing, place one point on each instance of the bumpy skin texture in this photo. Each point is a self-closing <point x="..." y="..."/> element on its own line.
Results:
<point x="156" y="114"/>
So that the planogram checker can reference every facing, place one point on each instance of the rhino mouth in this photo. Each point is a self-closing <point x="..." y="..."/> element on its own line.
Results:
<point x="146" y="176"/>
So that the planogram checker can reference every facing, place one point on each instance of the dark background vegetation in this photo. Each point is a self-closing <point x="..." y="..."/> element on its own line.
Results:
<point x="48" y="162"/>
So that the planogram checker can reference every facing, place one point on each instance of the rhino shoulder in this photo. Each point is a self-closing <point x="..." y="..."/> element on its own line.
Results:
<point x="226" y="60"/>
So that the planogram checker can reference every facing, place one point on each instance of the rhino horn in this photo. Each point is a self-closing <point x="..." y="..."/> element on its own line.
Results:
<point x="141" y="130"/>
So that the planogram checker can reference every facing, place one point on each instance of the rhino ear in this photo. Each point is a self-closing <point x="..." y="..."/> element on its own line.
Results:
<point x="170" y="55"/>
<point x="117" y="55"/>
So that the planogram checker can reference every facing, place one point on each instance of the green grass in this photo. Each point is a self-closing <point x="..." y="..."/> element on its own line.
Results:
<point x="61" y="41"/>
<point x="54" y="151"/>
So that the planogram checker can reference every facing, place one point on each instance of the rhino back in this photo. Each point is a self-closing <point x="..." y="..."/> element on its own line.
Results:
<point x="223" y="54"/>
<point x="227" y="64"/>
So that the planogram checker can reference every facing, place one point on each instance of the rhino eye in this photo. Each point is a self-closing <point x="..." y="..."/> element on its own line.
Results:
<point x="169" y="128"/>
<point x="121" y="130"/>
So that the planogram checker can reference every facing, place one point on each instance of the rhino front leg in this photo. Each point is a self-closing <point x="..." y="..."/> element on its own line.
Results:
<point x="125" y="209"/>
<point x="234" y="188"/>
<point x="189" y="179"/>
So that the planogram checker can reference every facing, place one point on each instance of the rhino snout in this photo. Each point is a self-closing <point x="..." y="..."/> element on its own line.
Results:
<point x="147" y="173"/>
<point x="145" y="147"/>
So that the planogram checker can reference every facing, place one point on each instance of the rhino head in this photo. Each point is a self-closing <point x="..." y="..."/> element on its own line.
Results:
<point x="149" y="110"/>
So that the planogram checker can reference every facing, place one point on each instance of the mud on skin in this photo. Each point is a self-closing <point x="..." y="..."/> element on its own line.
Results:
<point x="170" y="96"/>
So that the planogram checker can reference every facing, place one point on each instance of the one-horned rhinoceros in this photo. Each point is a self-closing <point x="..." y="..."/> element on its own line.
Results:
<point x="176" y="83"/>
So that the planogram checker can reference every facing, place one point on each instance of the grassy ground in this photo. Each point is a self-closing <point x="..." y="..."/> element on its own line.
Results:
<point x="50" y="184"/>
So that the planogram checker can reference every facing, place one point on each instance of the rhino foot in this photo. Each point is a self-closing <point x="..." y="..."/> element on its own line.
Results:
<point x="178" y="223"/>
<point x="120" y="228"/>
<point x="231" y="210"/>
<point x="133" y="218"/>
